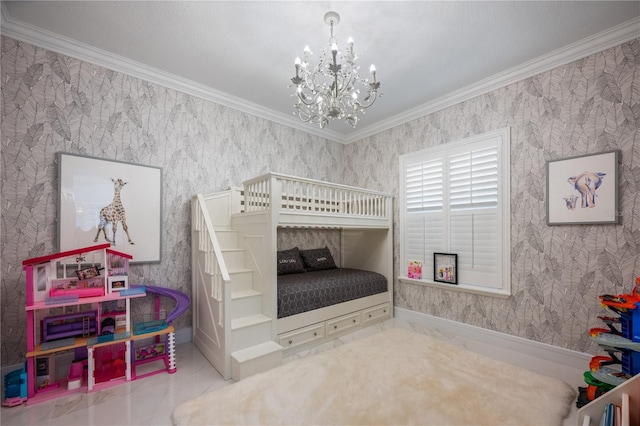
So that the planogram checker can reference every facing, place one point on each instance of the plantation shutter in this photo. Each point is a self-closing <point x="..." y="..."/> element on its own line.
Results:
<point x="452" y="202"/>
<point x="424" y="195"/>
<point x="473" y="199"/>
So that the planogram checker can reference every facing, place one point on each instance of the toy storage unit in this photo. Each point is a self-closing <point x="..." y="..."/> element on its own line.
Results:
<point x="85" y="320"/>
<point x="610" y="373"/>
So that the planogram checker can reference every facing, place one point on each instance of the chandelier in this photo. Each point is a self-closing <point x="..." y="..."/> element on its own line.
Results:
<point x="329" y="90"/>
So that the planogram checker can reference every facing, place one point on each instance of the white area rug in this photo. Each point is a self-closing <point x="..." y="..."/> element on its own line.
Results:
<point x="395" y="377"/>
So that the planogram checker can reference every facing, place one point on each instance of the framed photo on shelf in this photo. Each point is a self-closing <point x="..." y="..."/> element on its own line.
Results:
<point x="103" y="201"/>
<point x="445" y="268"/>
<point x="117" y="283"/>
<point x="583" y="190"/>
<point x="415" y="270"/>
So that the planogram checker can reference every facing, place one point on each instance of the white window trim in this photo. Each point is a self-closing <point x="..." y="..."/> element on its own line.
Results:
<point x="504" y="291"/>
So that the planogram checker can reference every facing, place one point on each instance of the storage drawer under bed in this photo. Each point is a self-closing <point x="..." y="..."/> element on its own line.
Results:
<point x="342" y="324"/>
<point x="377" y="313"/>
<point x="302" y="336"/>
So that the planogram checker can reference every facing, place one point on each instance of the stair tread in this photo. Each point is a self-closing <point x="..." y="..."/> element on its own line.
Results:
<point x="244" y="293"/>
<point x="249" y="321"/>
<point x="239" y="270"/>
<point x="256" y="351"/>
<point x="232" y="249"/>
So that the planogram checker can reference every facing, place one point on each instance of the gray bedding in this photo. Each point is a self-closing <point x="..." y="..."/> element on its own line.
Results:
<point x="307" y="291"/>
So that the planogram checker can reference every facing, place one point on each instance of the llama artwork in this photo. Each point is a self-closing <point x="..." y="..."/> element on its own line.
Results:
<point x="113" y="213"/>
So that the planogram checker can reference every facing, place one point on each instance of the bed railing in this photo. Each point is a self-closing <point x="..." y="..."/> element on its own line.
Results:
<point x="301" y="195"/>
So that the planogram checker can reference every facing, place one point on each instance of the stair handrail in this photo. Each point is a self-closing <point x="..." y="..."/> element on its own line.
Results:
<point x="213" y="240"/>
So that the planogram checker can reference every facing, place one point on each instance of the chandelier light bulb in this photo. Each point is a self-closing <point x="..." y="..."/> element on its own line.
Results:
<point x="329" y="88"/>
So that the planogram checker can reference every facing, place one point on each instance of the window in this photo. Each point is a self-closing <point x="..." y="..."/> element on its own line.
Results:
<point x="455" y="199"/>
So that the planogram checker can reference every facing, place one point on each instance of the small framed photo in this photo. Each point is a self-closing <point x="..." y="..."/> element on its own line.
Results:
<point x="415" y="270"/>
<point x="445" y="268"/>
<point x="118" y="282"/>
<point x="86" y="273"/>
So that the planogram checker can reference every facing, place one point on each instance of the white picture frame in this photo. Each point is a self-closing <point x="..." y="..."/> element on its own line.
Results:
<point x="88" y="189"/>
<point x="583" y="190"/>
<point x="117" y="283"/>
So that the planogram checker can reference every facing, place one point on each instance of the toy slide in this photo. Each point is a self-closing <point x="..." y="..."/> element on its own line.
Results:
<point x="602" y="337"/>
<point x="182" y="300"/>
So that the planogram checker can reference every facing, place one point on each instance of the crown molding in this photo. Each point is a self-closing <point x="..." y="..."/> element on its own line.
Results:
<point x="47" y="40"/>
<point x="607" y="39"/>
<point x="27" y="33"/>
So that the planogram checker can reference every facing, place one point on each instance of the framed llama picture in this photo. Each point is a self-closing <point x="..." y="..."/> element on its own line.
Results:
<point x="105" y="201"/>
<point x="583" y="190"/>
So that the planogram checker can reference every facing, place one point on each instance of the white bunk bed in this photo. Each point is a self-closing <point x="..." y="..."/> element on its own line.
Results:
<point x="234" y="251"/>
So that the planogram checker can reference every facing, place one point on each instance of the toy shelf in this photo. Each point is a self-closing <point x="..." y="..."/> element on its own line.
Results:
<point x="62" y="390"/>
<point x="593" y="410"/>
<point x="83" y="300"/>
<point x="165" y="330"/>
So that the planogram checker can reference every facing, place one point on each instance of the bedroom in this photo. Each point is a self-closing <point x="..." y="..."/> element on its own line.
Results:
<point x="554" y="298"/>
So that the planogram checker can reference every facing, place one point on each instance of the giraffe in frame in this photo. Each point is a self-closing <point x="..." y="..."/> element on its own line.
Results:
<point x="113" y="213"/>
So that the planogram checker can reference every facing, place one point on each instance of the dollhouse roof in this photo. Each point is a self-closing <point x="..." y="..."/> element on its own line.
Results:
<point x="50" y="257"/>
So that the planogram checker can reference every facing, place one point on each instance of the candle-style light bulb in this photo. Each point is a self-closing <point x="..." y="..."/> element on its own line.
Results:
<point x="350" y="43"/>
<point x="334" y="47"/>
<point x="372" y="69"/>
<point x="297" y="62"/>
<point x="307" y="51"/>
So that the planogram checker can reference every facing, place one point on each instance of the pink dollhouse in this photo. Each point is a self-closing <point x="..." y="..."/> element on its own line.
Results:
<point x="79" y="331"/>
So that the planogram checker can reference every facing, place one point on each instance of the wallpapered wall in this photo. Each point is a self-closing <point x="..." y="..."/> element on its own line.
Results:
<point x="589" y="106"/>
<point x="54" y="103"/>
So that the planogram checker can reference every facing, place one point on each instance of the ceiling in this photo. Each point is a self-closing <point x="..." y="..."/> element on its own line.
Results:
<point x="240" y="53"/>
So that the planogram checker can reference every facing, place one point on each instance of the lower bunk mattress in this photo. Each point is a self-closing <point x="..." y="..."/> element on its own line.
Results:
<point x="298" y="293"/>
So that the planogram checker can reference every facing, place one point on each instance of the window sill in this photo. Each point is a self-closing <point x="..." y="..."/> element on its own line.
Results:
<point x="503" y="294"/>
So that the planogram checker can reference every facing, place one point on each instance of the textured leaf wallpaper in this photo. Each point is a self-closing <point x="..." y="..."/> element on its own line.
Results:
<point x="557" y="272"/>
<point x="53" y="103"/>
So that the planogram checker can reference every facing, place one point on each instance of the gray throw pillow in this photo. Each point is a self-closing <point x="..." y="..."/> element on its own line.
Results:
<point x="317" y="259"/>
<point x="289" y="262"/>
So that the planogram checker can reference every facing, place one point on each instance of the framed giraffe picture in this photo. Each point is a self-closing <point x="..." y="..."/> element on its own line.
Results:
<point x="108" y="201"/>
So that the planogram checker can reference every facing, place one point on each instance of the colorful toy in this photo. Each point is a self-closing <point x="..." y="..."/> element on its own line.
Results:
<point x="621" y="341"/>
<point x="158" y="350"/>
<point x="15" y="388"/>
<point x="70" y="305"/>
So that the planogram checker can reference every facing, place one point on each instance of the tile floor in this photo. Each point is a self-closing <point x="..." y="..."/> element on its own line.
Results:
<point x="150" y="401"/>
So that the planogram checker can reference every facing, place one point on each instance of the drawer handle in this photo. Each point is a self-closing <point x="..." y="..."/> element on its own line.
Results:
<point x="385" y="311"/>
<point x="369" y="315"/>
<point x="315" y="334"/>
<point x="290" y="342"/>
<point x="354" y="320"/>
<point x="335" y="326"/>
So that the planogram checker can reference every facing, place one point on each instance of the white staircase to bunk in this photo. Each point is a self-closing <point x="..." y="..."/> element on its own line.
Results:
<point x="239" y="342"/>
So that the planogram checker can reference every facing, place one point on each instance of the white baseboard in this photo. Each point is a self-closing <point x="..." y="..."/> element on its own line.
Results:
<point x="184" y="335"/>
<point x="539" y="350"/>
